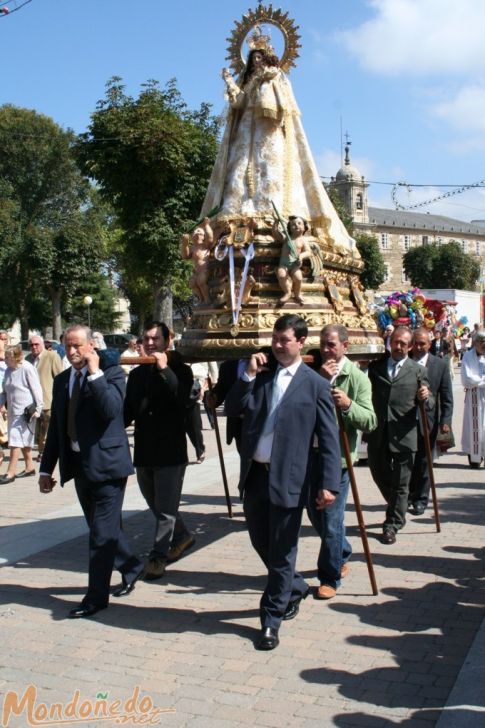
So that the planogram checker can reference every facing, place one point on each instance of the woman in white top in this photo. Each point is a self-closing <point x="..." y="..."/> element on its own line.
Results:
<point x="20" y="389"/>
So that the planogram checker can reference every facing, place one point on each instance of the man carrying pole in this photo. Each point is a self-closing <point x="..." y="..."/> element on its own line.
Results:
<point x="352" y="396"/>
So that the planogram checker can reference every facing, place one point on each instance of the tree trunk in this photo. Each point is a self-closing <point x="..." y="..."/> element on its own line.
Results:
<point x="56" y="314"/>
<point x="24" y="322"/>
<point x="162" y="305"/>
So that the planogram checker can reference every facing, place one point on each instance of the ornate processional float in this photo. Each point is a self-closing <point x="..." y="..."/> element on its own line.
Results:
<point x="269" y="240"/>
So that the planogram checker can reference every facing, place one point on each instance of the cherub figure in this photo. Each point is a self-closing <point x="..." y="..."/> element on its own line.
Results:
<point x="199" y="253"/>
<point x="294" y="251"/>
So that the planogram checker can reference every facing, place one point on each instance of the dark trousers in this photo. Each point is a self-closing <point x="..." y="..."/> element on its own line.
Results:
<point x="193" y="427"/>
<point x="391" y="472"/>
<point x="420" y="482"/>
<point x="161" y="487"/>
<point x="274" y="532"/>
<point x="108" y="545"/>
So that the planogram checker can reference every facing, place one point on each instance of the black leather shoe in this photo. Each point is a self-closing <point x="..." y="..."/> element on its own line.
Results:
<point x="127" y="586"/>
<point x="294" y="606"/>
<point x="85" y="610"/>
<point x="5" y="479"/>
<point x="418" y="509"/>
<point x="268" y="639"/>
<point x="388" y="536"/>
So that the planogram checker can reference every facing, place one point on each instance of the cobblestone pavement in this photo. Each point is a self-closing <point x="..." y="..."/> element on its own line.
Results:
<point x="187" y="640"/>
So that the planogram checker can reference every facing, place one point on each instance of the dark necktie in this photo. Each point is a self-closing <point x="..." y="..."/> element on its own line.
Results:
<point x="71" y="412"/>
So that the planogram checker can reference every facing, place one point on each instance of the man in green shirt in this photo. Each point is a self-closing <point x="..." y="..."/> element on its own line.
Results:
<point x="352" y="395"/>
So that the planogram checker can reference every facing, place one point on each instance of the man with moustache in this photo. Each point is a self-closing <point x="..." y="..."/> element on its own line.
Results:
<point x="398" y="383"/>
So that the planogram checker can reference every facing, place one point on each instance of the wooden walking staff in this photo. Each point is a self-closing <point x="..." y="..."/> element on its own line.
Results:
<point x="151" y="360"/>
<point x="221" y="456"/>
<point x="429" y="460"/>
<point x="358" y="507"/>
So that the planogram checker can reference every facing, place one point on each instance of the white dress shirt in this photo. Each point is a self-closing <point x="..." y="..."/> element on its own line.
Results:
<point x="265" y="443"/>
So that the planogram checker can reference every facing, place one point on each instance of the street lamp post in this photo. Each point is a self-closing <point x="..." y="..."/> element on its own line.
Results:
<point x="87" y="300"/>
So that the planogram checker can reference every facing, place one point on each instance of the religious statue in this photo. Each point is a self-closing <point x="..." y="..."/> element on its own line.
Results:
<point x="264" y="157"/>
<point x="199" y="253"/>
<point x="294" y="251"/>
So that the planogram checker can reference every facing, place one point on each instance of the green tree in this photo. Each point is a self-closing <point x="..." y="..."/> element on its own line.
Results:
<point x="47" y="226"/>
<point x="103" y="315"/>
<point x="152" y="158"/>
<point x="445" y="266"/>
<point x="339" y="205"/>
<point x="374" y="273"/>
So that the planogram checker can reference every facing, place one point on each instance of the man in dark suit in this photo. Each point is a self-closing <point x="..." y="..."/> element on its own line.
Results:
<point x="285" y="407"/>
<point x="229" y="372"/>
<point x="157" y="396"/>
<point x="439" y="417"/>
<point x="87" y="437"/>
<point x="398" y="383"/>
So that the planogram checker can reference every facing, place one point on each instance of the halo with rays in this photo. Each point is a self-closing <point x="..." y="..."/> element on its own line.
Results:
<point x="255" y="18"/>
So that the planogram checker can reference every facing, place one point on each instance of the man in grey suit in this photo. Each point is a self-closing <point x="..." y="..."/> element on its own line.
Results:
<point x="398" y="383"/>
<point x="439" y="418"/>
<point x="286" y="407"/>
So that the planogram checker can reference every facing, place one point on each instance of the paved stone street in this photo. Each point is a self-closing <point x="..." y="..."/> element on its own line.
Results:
<point x="187" y="641"/>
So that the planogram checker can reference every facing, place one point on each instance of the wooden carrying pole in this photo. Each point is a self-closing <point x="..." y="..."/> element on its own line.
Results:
<point x="429" y="460"/>
<point x="221" y="456"/>
<point x="358" y="507"/>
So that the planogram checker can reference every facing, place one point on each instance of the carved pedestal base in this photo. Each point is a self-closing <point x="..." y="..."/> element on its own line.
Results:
<point x="331" y="293"/>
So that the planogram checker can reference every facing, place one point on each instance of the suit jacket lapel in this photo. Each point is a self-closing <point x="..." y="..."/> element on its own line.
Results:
<point x="296" y="381"/>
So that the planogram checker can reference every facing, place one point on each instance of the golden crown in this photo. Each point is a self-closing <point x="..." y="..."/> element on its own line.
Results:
<point x="258" y="41"/>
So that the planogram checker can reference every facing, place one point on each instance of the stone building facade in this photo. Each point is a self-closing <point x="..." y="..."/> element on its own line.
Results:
<point x="399" y="230"/>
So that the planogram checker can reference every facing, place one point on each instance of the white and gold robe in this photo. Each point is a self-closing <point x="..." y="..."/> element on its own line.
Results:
<point x="264" y="156"/>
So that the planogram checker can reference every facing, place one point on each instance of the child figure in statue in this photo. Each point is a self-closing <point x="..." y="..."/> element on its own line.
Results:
<point x="199" y="253"/>
<point x="293" y="252"/>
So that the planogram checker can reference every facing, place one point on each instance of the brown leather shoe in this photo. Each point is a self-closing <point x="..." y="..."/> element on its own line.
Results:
<point x="344" y="571"/>
<point x="176" y="551"/>
<point x="325" y="592"/>
<point x="155" y="569"/>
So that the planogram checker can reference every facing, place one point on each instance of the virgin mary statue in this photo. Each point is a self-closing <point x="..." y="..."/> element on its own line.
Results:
<point x="264" y="156"/>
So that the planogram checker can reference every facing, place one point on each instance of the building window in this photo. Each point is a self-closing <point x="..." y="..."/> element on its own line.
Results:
<point x="407" y="242"/>
<point x="439" y="242"/>
<point x="384" y="241"/>
<point x="358" y="203"/>
<point x="424" y="239"/>
<point x="477" y="247"/>
<point x="464" y="246"/>
<point x="404" y="278"/>
<point x="387" y="272"/>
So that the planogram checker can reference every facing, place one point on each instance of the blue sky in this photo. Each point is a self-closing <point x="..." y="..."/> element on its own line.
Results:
<point x="407" y="77"/>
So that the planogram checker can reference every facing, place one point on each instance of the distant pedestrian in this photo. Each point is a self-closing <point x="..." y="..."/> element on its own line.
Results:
<point x="22" y="394"/>
<point x="473" y="379"/>
<point x="48" y="366"/>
